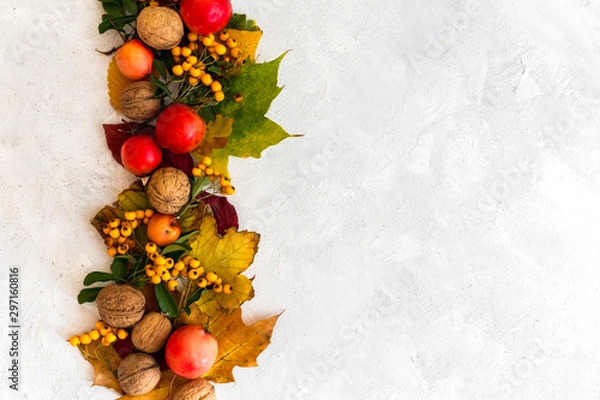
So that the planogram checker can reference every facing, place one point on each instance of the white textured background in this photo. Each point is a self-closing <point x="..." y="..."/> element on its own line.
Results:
<point x="433" y="236"/>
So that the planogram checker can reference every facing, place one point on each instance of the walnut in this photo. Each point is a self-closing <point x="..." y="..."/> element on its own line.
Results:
<point x="160" y="27"/>
<point x="198" y="389"/>
<point x="138" y="374"/>
<point x="151" y="333"/>
<point x="120" y="306"/>
<point x="168" y="190"/>
<point x="138" y="101"/>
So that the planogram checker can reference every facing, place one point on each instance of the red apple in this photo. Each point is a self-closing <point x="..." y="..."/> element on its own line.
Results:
<point x="163" y="229"/>
<point x="190" y="351"/>
<point x="179" y="129"/>
<point x="205" y="16"/>
<point x="134" y="59"/>
<point x="140" y="155"/>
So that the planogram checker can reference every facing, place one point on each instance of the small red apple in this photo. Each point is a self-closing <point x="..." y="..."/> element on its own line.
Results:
<point x="179" y="128"/>
<point x="140" y="155"/>
<point x="190" y="351"/>
<point x="205" y="16"/>
<point x="134" y="59"/>
<point x="163" y="229"/>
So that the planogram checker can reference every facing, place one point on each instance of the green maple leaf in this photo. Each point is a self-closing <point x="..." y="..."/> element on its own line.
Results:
<point x="252" y="132"/>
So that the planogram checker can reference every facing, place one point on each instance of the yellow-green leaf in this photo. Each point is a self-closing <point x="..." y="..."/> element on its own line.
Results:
<point x="252" y="132"/>
<point x="131" y="200"/>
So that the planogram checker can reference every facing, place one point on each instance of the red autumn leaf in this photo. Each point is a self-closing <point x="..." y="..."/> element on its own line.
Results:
<point x="123" y="347"/>
<point x="117" y="134"/>
<point x="184" y="162"/>
<point x="223" y="210"/>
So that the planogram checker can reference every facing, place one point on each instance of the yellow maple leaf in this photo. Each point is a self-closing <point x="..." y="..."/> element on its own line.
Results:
<point x="105" y="361"/>
<point x="116" y="84"/>
<point x="228" y="257"/>
<point x="247" y="42"/>
<point x="239" y="344"/>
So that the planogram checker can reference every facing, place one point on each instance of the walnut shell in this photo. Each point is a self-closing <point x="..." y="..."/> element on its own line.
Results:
<point x="138" y="101"/>
<point x="168" y="190"/>
<point x="151" y="333"/>
<point x="160" y="27"/>
<point x="138" y="374"/>
<point x="120" y="306"/>
<point x="198" y="389"/>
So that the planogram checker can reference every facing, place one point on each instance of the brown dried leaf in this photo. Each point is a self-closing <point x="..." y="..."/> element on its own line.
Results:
<point x="104" y="216"/>
<point x="131" y="199"/>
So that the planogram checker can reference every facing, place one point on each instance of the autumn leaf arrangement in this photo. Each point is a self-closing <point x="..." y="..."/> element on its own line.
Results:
<point x="192" y="95"/>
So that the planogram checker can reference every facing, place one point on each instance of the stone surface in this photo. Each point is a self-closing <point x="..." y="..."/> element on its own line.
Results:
<point x="434" y="235"/>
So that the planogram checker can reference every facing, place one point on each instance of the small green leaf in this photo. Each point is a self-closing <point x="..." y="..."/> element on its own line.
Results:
<point x="119" y="267"/>
<point x="113" y="9"/>
<point x="137" y="268"/>
<point x="88" y="295"/>
<point x="131" y="6"/>
<point x="215" y="69"/>
<point x="138" y="284"/>
<point x="160" y="67"/>
<point x="241" y="22"/>
<point x="194" y="297"/>
<point x="175" y="247"/>
<point x="97" y="276"/>
<point x="199" y="186"/>
<point x="118" y="23"/>
<point x="161" y="88"/>
<point x="166" y="302"/>
<point x="184" y="238"/>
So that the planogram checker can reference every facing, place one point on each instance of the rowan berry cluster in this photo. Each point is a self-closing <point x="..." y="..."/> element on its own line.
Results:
<point x="193" y="59"/>
<point x="190" y="268"/>
<point x="204" y="169"/>
<point x="118" y="233"/>
<point x="161" y="268"/>
<point x="103" y="332"/>
<point x="165" y="269"/>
